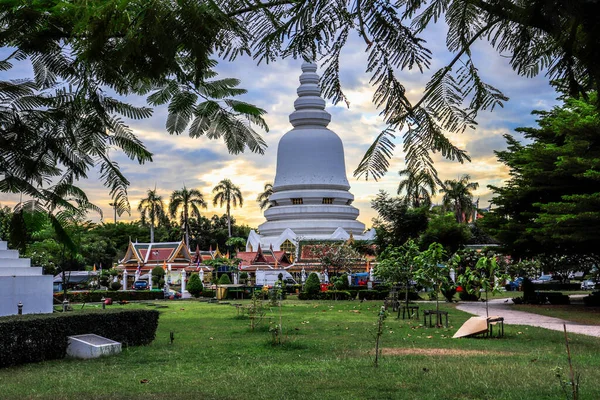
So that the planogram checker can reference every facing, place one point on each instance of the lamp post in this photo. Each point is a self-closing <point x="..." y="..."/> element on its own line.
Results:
<point x="114" y="206"/>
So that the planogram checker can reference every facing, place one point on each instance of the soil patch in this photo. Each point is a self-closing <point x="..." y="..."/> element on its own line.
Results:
<point x="440" y="352"/>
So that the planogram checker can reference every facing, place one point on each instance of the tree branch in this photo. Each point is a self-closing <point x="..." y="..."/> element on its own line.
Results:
<point x="260" y="6"/>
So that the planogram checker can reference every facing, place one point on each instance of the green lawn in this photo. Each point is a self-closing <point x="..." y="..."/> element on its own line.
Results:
<point x="328" y="354"/>
<point x="577" y="313"/>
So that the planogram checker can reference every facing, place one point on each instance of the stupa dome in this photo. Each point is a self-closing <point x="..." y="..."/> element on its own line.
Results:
<point x="310" y="154"/>
<point x="311" y="197"/>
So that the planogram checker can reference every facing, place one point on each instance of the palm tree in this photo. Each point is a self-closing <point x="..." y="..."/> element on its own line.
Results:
<point x="419" y="187"/>
<point x="227" y="193"/>
<point x="263" y="198"/>
<point x="152" y="209"/>
<point x="189" y="201"/>
<point x="458" y="197"/>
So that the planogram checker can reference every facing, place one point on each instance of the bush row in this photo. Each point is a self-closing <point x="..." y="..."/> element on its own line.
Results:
<point x="346" y="295"/>
<point x="97" y="295"/>
<point x="593" y="300"/>
<point x="556" y="286"/>
<point x="38" y="337"/>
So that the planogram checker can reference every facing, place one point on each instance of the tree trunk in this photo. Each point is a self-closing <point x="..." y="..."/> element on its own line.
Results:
<point x="228" y="220"/>
<point x="151" y="233"/>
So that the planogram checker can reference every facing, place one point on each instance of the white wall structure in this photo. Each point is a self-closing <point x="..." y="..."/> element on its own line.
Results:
<point x="311" y="198"/>
<point x="20" y="282"/>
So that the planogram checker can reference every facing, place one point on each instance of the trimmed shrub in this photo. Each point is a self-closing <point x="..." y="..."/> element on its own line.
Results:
<point x="115" y="285"/>
<point x="304" y="296"/>
<point x="224" y="280"/>
<point x="313" y="285"/>
<point x="194" y="285"/>
<point x="208" y="293"/>
<point x="449" y="292"/>
<point x="335" y="295"/>
<point x="373" y="294"/>
<point x="412" y="295"/>
<point x="157" y="275"/>
<point x="97" y="295"/>
<point x="556" y="286"/>
<point x="558" y="299"/>
<point x="38" y="337"/>
<point x="593" y="300"/>
<point x="341" y="282"/>
<point x="466" y="296"/>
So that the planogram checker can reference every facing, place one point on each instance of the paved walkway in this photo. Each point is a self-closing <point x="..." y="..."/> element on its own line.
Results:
<point x="502" y="308"/>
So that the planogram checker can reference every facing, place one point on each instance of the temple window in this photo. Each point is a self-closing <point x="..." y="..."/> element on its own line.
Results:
<point x="328" y="200"/>
<point x="297" y="201"/>
<point x="289" y="248"/>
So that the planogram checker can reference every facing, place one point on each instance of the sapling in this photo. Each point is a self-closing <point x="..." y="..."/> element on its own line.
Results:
<point x="381" y="317"/>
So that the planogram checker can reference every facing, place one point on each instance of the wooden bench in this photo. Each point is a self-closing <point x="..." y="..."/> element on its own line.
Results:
<point x="409" y="311"/>
<point x="438" y="317"/>
<point x="491" y="321"/>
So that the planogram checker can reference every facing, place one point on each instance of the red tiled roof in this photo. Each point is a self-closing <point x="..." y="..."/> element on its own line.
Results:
<point x="247" y="257"/>
<point x="157" y="254"/>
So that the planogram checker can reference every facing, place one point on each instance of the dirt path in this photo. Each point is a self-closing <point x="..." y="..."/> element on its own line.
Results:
<point x="503" y="308"/>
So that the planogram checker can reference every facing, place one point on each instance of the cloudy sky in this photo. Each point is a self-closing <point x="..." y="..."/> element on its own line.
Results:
<point x="202" y="163"/>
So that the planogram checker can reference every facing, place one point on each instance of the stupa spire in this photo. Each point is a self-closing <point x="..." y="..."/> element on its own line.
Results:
<point x="309" y="106"/>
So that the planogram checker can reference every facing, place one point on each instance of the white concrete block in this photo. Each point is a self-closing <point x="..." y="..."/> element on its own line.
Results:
<point x="21" y="271"/>
<point x="9" y="254"/>
<point x="3" y="245"/>
<point x="14" y="262"/>
<point x="91" y="346"/>
<point x="35" y="292"/>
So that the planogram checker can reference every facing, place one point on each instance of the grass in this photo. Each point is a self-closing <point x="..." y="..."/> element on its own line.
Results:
<point x="327" y="355"/>
<point x="577" y="313"/>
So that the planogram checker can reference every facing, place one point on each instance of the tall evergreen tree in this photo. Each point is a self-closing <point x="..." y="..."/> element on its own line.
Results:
<point x="551" y="204"/>
<point x="229" y="194"/>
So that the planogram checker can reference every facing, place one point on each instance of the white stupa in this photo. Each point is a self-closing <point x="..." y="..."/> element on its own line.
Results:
<point x="311" y="198"/>
<point x="22" y="283"/>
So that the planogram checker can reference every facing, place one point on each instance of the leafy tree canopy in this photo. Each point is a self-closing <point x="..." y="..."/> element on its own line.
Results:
<point x="396" y="222"/>
<point x="551" y="204"/>
<point x="446" y="231"/>
<point x="63" y="122"/>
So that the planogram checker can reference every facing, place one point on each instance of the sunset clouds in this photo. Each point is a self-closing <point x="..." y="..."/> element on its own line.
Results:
<point x="202" y="163"/>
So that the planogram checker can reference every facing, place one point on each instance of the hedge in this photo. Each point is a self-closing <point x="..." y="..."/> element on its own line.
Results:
<point x="346" y="295"/>
<point x="593" y="300"/>
<point x="556" y="286"/>
<point x="38" y="337"/>
<point x="373" y="294"/>
<point x="336" y="295"/>
<point x="96" y="295"/>
<point x="207" y="293"/>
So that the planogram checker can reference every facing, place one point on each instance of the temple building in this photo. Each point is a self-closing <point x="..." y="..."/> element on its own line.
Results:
<point x="311" y="198"/>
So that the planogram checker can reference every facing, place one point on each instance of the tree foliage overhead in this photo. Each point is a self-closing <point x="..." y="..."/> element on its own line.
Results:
<point x="163" y="49"/>
<point x="63" y="122"/>
<point x="551" y="204"/>
<point x="558" y="37"/>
